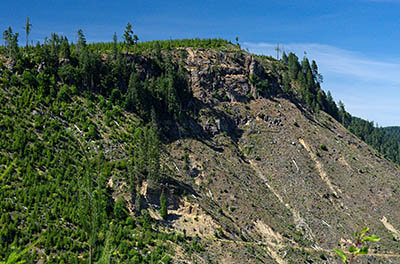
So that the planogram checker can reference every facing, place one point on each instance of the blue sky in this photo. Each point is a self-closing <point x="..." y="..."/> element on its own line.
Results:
<point x="355" y="42"/>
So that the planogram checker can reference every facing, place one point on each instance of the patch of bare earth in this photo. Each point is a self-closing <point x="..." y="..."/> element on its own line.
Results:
<point x="391" y="228"/>
<point x="193" y="219"/>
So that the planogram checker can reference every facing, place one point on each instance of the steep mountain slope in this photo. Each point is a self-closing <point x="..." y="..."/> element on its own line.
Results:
<point x="252" y="169"/>
<point x="271" y="172"/>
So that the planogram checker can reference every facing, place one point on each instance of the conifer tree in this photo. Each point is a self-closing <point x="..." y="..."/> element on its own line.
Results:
<point x="284" y="58"/>
<point x="331" y="106"/>
<point x="153" y="153"/>
<point x="27" y="28"/>
<point x="138" y="203"/>
<point x="11" y="43"/>
<point x="164" y="206"/>
<point x="134" y="94"/>
<point x="65" y="51"/>
<point x="129" y="38"/>
<point x="115" y="45"/>
<point x="294" y="66"/>
<point x="81" y="44"/>
<point x="317" y="76"/>
<point x="342" y="113"/>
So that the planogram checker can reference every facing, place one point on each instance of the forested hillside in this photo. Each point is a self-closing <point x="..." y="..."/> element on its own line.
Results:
<point x="67" y="125"/>
<point x="176" y="151"/>
<point x="384" y="139"/>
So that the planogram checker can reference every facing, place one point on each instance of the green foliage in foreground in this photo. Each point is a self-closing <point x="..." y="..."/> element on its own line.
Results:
<point x="358" y="247"/>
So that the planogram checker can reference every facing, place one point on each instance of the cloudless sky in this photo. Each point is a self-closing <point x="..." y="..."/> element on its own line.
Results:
<point x="355" y="42"/>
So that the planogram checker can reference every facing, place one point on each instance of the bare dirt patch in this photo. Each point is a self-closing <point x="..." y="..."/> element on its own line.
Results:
<point x="271" y="237"/>
<point x="391" y="228"/>
<point x="193" y="219"/>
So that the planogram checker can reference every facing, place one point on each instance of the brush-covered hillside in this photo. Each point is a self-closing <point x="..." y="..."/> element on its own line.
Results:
<point x="186" y="151"/>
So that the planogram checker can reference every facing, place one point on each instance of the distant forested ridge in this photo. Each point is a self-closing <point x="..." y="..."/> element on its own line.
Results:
<point x="386" y="140"/>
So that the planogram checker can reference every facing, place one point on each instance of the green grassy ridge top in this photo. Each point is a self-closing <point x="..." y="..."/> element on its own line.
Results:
<point x="206" y="43"/>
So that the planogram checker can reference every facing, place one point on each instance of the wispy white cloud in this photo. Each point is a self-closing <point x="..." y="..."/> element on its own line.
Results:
<point x="368" y="87"/>
<point x="335" y="60"/>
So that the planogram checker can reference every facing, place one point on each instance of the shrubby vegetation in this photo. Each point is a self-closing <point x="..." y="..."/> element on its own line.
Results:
<point x="158" y="45"/>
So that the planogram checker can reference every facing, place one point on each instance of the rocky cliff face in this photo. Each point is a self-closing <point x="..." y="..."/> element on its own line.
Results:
<point x="272" y="182"/>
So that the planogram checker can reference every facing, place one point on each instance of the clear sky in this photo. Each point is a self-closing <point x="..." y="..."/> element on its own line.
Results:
<point x="355" y="42"/>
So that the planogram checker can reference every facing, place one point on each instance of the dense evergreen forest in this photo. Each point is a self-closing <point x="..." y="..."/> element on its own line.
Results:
<point x="60" y="100"/>
<point x="384" y="139"/>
